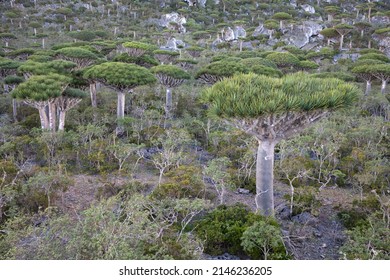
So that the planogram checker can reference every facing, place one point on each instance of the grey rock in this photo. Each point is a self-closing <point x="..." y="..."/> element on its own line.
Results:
<point x="225" y="256"/>
<point x="303" y="34"/>
<point x="293" y="3"/>
<point x="216" y="42"/>
<point x="228" y="34"/>
<point x="352" y="56"/>
<point x="384" y="45"/>
<point x="308" y="8"/>
<point x="261" y="30"/>
<point x="171" y="44"/>
<point x="239" y="32"/>
<point x="178" y="20"/>
<point x="242" y="191"/>
<point x="380" y="20"/>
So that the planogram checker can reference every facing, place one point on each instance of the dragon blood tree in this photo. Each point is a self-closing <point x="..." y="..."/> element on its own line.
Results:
<point x="272" y="109"/>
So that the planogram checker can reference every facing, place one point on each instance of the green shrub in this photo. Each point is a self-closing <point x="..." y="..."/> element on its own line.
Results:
<point x="223" y="228"/>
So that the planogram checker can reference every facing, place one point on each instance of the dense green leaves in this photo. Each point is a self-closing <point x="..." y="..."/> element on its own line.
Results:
<point x="42" y="88"/>
<point x="251" y="96"/>
<point x="171" y="71"/>
<point x="120" y="75"/>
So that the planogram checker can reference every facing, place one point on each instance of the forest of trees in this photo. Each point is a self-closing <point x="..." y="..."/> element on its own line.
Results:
<point x="124" y="137"/>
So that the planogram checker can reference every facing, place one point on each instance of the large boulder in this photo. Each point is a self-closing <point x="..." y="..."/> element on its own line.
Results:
<point x="228" y="34"/>
<point x="261" y="30"/>
<point x="303" y="34"/>
<point x="239" y="32"/>
<point x="173" y="21"/>
<point x="309" y="9"/>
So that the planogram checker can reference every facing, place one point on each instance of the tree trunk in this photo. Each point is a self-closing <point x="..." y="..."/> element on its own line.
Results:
<point x="341" y="42"/>
<point x="120" y="111"/>
<point x="92" y="90"/>
<point x="35" y="32"/>
<point x="168" y="103"/>
<point x="369" y="44"/>
<point x="52" y="116"/>
<point x="14" y="109"/>
<point x="43" y="117"/>
<point x="368" y="87"/>
<point x="43" y="43"/>
<point x="265" y="178"/>
<point x="383" y="87"/>
<point x="61" y="121"/>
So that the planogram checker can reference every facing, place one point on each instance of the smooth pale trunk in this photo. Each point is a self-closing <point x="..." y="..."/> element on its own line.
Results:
<point x="92" y="90"/>
<point x="43" y="43"/>
<point x="383" y="87"/>
<point x="341" y="42"/>
<point x="368" y="88"/>
<point x="61" y="121"/>
<point x="168" y="103"/>
<point x="120" y="111"/>
<point x="265" y="178"/>
<point x="35" y="32"/>
<point x="15" y="109"/>
<point x="43" y="118"/>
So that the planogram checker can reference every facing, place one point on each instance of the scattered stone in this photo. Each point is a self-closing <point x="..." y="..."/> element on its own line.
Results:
<point x="225" y="256"/>
<point x="243" y="191"/>
<point x="305" y="218"/>
<point x="228" y="34"/>
<point x="173" y="21"/>
<point x="317" y="233"/>
<point x="308" y="8"/>
<point x="171" y="44"/>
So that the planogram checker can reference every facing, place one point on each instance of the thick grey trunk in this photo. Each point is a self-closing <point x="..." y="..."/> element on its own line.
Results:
<point x="368" y="88"/>
<point x="383" y="87"/>
<point x="120" y="111"/>
<point x="168" y="103"/>
<point x="52" y="116"/>
<point x="15" y="109"/>
<point x="265" y="178"/>
<point x="61" y="121"/>
<point x="43" y="118"/>
<point x="92" y="90"/>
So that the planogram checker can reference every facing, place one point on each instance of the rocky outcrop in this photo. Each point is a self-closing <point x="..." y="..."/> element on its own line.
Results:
<point x="239" y="32"/>
<point x="303" y="34"/>
<point x="309" y="9"/>
<point x="173" y="21"/>
<point x="228" y="34"/>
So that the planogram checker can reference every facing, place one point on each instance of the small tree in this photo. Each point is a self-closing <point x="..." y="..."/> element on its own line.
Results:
<point x="7" y="37"/>
<point x="80" y="56"/>
<point x="40" y="92"/>
<point x="364" y="72"/>
<point x="13" y="81"/>
<point x="281" y="16"/>
<point x="165" y="56"/>
<point x="169" y="76"/>
<point x="217" y="171"/>
<point x="284" y="60"/>
<point x="329" y="33"/>
<point x="343" y="29"/>
<point x="122" y="78"/>
<point x="272" y="109"/>
<point x="381" y="72"/>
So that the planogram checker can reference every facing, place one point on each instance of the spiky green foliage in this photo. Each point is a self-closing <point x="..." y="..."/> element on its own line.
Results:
<point x="143" y="60"/>
<point x="307" y="65"/>
<point x="383" y="31"/>
<point x="376" y="56"/>
<point x="7" y="36"/>
<point x="120" y="75"/>
<point x="171" y="71"/>
<point x="329" y="32"/>
<point x="137" y="48"/>
<point x="216" y="71"/>
<point x="83" y="35"/>
<point x="254" y="61"/>
<point x="282" y="16"/>
<point x="283" y="59"/>
<point x="13" y="80"/>
<point x="367" y="51"/>
<point x="252" y="96"/>
<point x="42" y="87"/>
<point x="76" y="53"/>
<point x="367" y="61"/>
<point x="38" y="68"/>
<point x="74" y="93"/>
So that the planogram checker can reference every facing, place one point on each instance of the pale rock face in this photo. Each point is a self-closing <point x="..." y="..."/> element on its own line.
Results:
<point x="216" y="42"/>
<point x="228" y="34"/>
<point x="171" y="44"/>
<point x="239" y="32"/>
<point x="301" y="35"/>
<point x="384" y="45"/>
<point x="166" y="20"/>
<point x="308" y="8"/>
<point x="380" y="20"/>
<point x="293" y="3"/>
<point x="261" y="30"/>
